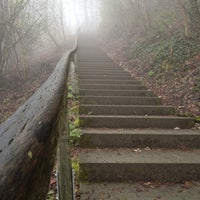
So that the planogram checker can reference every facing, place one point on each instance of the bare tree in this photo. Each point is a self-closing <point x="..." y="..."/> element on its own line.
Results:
<point x="22" y="24"/>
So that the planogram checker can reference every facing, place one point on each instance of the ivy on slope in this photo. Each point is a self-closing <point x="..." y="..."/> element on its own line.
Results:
<point x="163" y="55"/>
<point x="171" y="68"/>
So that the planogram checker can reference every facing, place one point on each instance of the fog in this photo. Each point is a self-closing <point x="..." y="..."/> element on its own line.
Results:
<point x="83" y="14"/>
<point x="28" y="25"/>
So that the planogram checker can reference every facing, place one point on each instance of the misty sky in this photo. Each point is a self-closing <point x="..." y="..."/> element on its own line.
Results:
<point x="74" y="12"/>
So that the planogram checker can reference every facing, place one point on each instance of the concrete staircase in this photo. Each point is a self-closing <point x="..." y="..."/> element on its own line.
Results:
<point x="129" y="137"/>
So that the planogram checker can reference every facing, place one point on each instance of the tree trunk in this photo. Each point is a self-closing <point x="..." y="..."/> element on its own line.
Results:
<point x="61" y="20"/>
<point x="185" y="18"/>
<point x="194" y="17"/>
<point x="147" y="15"/>
<point x="86" y="13"/>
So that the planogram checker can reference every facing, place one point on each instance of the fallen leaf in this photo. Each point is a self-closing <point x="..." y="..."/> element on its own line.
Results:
<point x="30" y="154"/>
<point x="137" y="150"/>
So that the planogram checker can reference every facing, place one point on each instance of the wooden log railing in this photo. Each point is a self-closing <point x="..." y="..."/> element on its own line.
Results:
<point x="29" y="140"/>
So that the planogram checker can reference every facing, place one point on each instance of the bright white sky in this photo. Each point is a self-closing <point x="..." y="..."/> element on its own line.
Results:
<point x="74" y="14"/>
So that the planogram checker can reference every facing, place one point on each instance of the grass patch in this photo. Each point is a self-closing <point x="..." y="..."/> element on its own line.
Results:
<point x="76" y="168"/>
<point x="197" y="119"/>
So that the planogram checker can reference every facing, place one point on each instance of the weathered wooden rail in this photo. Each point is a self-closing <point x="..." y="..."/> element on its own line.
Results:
<point x="29" y="140"/>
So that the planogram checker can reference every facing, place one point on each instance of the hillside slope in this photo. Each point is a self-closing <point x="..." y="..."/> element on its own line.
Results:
<point x="175" y="79"/>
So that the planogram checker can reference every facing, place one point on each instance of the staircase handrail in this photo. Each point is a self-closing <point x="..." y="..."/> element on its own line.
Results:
<point x="29" y="138"/>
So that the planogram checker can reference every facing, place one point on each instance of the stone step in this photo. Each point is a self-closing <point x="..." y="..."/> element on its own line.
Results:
<point x="111" y="165"/>
<point x="107" y="77"/>
<point x="126" y="110"/>
<point x="91" y="54"/>
<point x="98" y="66"/>
<point x="99" y="70"/>
<point x="119" y="100"/>
<point x="122" y="121"/>
<point x="140" y="191"/>
<point x="92" y="50"/>
<point x="140" y="138"/>
<point x="94" y="58"/>
<point x="96" y="61"/>
<point x="112" y="87"/>
<point x="104" y="81"/>
<point x="106" y="72"/>
<point x="95" y="92"/>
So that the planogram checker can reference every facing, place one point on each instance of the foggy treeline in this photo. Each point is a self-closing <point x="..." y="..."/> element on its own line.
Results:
<point x="147" y="17"/>
<point x="25" y="25"/>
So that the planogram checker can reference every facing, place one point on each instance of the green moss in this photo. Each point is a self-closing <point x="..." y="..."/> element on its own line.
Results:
<point x="83" y="177"/>
<point x="151" y="73"/>
<point x="80" y="175"/>
<point x="75" y="132"/>
<point x="75" y="136"/>
<point x="51" y="195"/>
<point x="197" y="119"/>
<point x="81" y="122"/>
<point x="85" y="141"/>
<point x="76" y="168"/>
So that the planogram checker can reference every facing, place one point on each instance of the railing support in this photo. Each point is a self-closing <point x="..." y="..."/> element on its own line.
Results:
<point x="73" y="70"/>
<point x="28" y="139"/>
